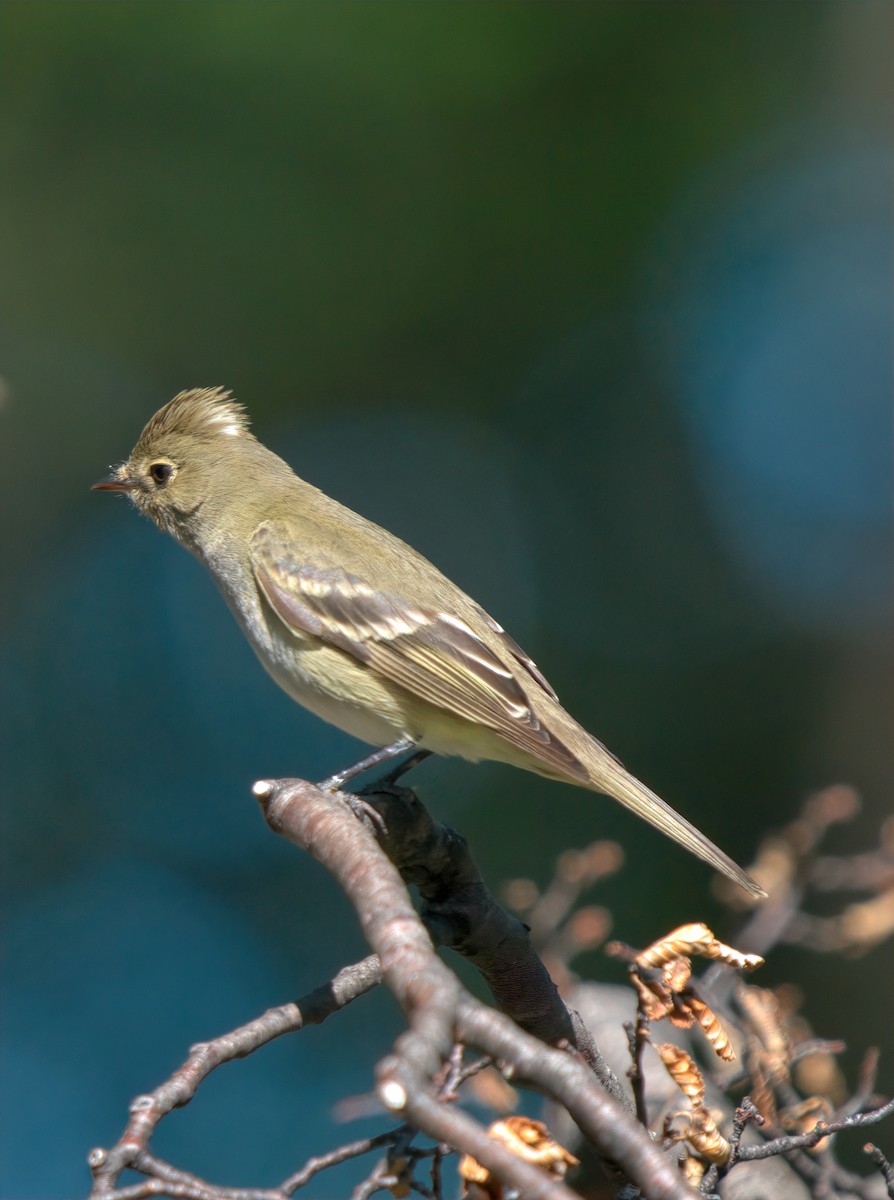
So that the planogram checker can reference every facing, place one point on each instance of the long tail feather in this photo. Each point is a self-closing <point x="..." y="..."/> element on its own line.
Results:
<point x="624" y="787"/>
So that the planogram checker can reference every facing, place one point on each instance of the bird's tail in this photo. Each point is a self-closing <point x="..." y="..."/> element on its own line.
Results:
<point x="610" y="776"/>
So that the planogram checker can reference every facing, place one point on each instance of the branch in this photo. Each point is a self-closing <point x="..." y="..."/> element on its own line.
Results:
<point x="460" y="912"/>
<point x="822" y="1129"/>
<point x="440" y="1011"/>
<point x="131" y="1149"/>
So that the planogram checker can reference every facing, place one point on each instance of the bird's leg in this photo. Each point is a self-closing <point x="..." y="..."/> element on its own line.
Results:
<point x="400" y="770"/>
<point x="336" y="782"/>
<point x="360" y="807"/>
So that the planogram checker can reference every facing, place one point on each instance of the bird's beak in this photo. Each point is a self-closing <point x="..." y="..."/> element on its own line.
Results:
<point x="118" y="481"/>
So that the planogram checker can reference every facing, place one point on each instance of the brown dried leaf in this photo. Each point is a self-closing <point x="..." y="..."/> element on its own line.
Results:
<point x="761" y="1093"/>
<point x="676" y="1125"/>
<point x="761" y="1008"/>
<point x="529" y="1140"/>
<point x="686" y="939"/>
<point x="471" y="1171"/>
<point x="734" y="958"/>
<point x="653" y="998"/>
<point x="681" y="1017"/>
<point x="698" y="1127"/>
<point x="711" y="1026"/>
<point x="768" y="1050"/>
<point x="695" y="938"/>
<point x="676" y="973"/>
<point x="693" y="1170"/>
<point x="706" y="1139"/>
<point x="683" y="1071"/>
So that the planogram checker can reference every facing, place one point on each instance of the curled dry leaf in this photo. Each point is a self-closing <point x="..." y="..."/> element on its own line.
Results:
<point x="763" y="1097"/>
<point x="683" y="1071"/>
<point x="733" y="958"/>
<point x="695" y="938"/>
<point x="706" y="1139"/>
<point x="527" y="1138"/>
<point x="682" y="1017"/>
<point x="653" y="998"/>
<point x="768" y="1050"/>
<point x="686" y="939"/>
<point x="698" y="1127"/>
<point x="693" y="1170"/>
<point x="676" y="973"/>
<point x="658" y="999"/>
<point x="761" y="1008"/>
<point x="711" y="1027"/>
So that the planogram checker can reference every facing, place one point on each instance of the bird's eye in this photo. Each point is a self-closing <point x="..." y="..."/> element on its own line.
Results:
<point x="161" y="472"/>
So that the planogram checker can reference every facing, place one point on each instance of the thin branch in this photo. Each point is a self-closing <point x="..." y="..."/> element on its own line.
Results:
<point x="637" y="1036"/>
<point x="883" y="1165"/>
<point x="335" y="1158"/>
<point x="822" y="1129"/>
<point x="146" y="1111"/>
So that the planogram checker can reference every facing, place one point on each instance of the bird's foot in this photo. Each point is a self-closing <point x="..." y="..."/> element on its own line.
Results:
<point x="366" y="813"/>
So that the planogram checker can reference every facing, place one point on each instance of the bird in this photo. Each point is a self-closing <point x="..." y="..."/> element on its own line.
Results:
<point x="356" y="625"/>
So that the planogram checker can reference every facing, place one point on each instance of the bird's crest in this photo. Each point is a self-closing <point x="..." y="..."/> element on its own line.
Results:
<point x="199" y="412"/>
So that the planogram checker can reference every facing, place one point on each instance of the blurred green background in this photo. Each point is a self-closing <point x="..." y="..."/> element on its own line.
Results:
<point x="591" y="303"/>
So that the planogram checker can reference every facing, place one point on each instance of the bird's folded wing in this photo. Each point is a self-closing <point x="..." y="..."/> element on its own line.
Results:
<point x="435" y="656"/>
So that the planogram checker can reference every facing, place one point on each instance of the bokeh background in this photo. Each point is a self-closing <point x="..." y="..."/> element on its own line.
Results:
<point x="592" y="304"/>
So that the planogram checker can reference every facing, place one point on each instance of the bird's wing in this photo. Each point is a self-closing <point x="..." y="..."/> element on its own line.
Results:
<point x="435" y="656"/>
<point x="517" y="653"/>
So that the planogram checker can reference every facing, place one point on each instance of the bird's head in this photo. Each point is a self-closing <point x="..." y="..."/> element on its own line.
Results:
<point x="183" y="459"/>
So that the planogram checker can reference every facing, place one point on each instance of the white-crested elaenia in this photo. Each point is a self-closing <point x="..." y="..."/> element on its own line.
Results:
<point x="353" y="623"/>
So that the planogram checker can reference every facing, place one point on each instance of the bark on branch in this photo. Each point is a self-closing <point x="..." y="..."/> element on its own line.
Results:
<point x="440" y="1011"/>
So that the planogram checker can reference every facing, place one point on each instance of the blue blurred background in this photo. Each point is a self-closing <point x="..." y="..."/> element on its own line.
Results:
<point x="592" y="304"/>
